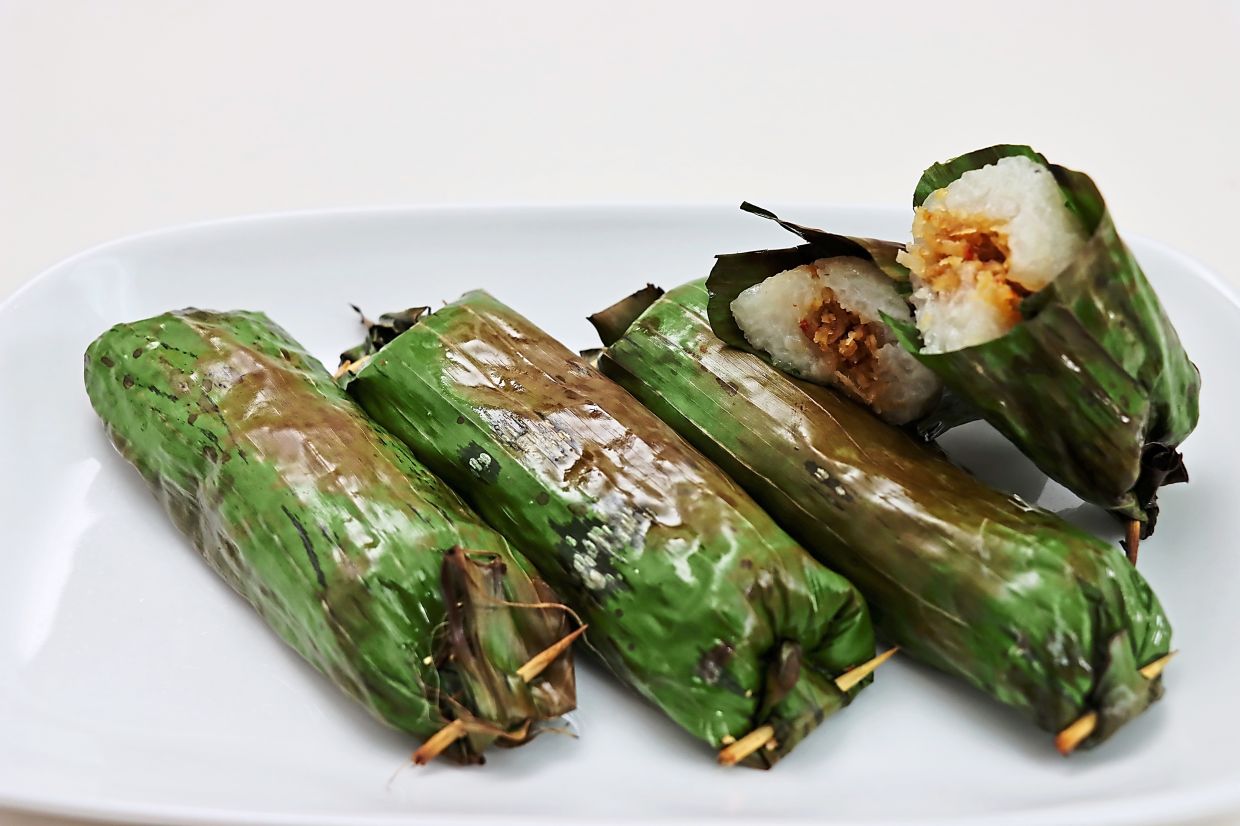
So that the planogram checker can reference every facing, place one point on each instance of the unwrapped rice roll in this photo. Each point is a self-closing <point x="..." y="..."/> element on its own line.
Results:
<point x="981" y="245"/>
<point x="822" y="319"/>
<point x="1037" y="317"/>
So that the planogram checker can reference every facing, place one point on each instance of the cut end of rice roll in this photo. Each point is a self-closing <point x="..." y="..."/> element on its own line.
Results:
<point x="822" y="322"/>
<point x="981" y="245"/>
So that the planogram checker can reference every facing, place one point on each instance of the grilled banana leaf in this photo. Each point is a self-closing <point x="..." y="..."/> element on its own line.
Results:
<point x="353" y="552"/>
<point x="1093" y="385"/>
<point x="693" y="596"/>
<point x="1028" y="609"/>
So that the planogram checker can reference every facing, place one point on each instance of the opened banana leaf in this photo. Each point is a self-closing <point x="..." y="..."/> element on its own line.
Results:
<point x="692" y="595"/>
<point x="819" y="312"/>
<point x="736" y="272"/>
<point x="353" y="552"/>
<point x="1092" y="383"/>
<point x="1013" y="600"/>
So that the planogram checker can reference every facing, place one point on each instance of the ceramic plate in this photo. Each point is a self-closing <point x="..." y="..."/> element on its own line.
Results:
<point x="134" y="685"/>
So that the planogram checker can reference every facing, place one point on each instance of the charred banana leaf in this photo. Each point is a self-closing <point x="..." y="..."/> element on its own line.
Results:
<point x="1093" y="385"/>
<point x="692" y="595"/>
<point x="355" y="554"/>
<point x="1030" y="610"/>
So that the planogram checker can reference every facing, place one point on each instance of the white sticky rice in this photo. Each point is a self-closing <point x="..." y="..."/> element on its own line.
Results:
<point x="770" y="315"/>
<point x="1016" y="201"/>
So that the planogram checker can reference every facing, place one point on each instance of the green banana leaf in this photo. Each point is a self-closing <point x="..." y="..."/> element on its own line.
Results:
<point x="693" y="596"/>
<point x="1093" y="385"/>
<point x="1028" y="609"/>
<point x="353" y="552"/>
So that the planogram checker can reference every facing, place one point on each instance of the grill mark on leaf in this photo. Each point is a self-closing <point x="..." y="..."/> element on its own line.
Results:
<point x="308" y="545"/>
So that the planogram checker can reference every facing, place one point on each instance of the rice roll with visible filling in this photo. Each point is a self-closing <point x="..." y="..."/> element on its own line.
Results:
<point x="1030" y="310"/>
<point x="1034" y="612"/>
<point x="816" y="312"/>
<point x="1037" y="317"/>
<point x="981" y="245"/>
<point x="821" y="321"/>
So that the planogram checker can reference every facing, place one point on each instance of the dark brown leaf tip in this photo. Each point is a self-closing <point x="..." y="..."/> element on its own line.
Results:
<point x="382" y="331"/>
<point x="613" y="322"/>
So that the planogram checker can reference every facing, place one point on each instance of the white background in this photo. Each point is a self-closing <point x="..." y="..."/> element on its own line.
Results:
<point x="130" y="115"/>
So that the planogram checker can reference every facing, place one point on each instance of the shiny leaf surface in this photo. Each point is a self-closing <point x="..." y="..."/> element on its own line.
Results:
<point x="353" y="552"/>
<point x="1093" y="385"/>
<point x="1025" y="607"/>
<point x="693" y="596"/>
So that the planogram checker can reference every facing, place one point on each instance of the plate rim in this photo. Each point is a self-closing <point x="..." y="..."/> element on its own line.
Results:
<point x="1211" y="800"/>
<point x="1200" y="269"/>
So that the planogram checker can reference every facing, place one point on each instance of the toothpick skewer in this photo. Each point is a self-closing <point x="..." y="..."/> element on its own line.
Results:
<point x="351" y="367"/>
<point x="455" y="730"/>
<point x="764" y="736"/>
<point x="1155" y="668"/>
<point x="1132" y="540"/>
<point x="1069" y="738"/>
<point x="850" y="678"/>
<point x="440" y="740"/>
<point x="539" y="662"/>
<point x="747" y="745"/>
<point x="1075" y="733"/>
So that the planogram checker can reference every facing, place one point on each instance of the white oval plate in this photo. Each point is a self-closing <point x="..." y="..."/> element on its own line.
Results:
<point x="135" y="685"/>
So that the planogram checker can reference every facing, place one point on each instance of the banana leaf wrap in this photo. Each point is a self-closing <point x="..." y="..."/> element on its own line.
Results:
<point x="1093" y="385"/>
<point x="356" y="555"/>
<point x="693" y="596"/>
<point x="733" y="273"/>
<point x="1025" y="607"/>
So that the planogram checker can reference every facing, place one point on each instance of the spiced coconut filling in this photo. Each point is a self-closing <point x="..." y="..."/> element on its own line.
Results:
<point x="981" y="245"/>
<point x="823" y="322"/>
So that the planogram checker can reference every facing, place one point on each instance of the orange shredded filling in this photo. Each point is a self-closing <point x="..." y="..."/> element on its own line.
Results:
<point x="952" y="243"/>
<point x="837" y="330"/>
